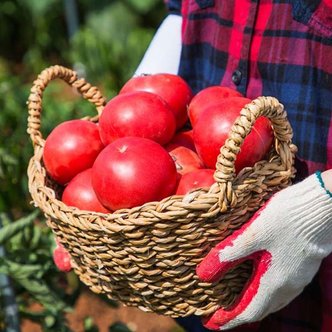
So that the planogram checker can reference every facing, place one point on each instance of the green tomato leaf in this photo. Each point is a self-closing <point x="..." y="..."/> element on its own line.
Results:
<point x="43" y="294"/>
<point x="22" y="271"/>
<point x="15" y="227"/>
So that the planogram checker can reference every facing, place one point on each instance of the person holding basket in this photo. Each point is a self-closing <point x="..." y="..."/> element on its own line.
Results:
<point x="280" y="49"/>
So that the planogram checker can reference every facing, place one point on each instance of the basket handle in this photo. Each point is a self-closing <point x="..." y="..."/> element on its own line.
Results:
<point x="89" y="92"/>
<point x="269" y="107"/>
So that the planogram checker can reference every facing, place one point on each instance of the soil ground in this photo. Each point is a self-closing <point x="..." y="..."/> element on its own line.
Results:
<point x="88" y="304"/>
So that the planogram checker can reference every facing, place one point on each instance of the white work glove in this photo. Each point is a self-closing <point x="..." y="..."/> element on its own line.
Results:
<point x="286" y="239"/>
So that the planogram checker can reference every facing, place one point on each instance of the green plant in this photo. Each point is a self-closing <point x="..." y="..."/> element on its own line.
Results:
<point x="113" y="40"/>
<point x="26" y="259"/>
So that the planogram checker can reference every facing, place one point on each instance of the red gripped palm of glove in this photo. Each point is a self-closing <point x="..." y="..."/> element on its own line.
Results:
<point x="286" y="240"/>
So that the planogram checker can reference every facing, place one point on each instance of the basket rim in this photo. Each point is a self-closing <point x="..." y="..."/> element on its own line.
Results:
<point x="156" y="210"/>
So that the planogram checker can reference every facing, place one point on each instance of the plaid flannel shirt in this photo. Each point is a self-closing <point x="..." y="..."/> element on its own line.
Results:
<point x="280" y="48"/>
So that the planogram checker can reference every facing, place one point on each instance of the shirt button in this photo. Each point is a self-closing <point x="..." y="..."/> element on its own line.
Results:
<point x="237" y="77"/>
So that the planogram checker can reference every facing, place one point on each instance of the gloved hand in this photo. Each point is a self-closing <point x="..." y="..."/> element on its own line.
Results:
<point x="286" y="239"/>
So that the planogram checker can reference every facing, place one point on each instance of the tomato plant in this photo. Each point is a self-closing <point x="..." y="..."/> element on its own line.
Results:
<point x="172" y="88"/>
<point x="132" y="171"/>
<point x="71" y="148"/>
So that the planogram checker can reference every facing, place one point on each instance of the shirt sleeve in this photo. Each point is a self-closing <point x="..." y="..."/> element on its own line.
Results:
<point x="173" y="6"/>
<point x="164" y="52"/>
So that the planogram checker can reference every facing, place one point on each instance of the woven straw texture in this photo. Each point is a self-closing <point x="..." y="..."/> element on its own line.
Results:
<point x="146" y="256"/>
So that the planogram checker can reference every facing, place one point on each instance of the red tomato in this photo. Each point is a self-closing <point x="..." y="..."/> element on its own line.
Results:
<point x="172" y="88"/>
<point x="132" y="171"/>
<point x="71" y="148"/>
<point x="196" y="179"/>
<point x="207" y="97"/>
<point x="79" y="193"/>
<point x="61" y="258"/>
<point x="256" y="145"/>
<point x="212" y="129"/>
<point x="186" y="160"/>
<point x="139" y="114"/>
<point x="184" y="138"/>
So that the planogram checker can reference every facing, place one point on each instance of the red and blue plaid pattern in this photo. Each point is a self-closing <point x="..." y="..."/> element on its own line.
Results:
<point x="280" y="48"/>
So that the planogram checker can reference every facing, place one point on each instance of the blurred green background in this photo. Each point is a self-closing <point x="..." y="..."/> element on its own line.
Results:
<point x="104" y="41"/>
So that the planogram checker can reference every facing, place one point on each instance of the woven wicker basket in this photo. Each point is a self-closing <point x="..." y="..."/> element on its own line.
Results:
<point x="146" y="256"/>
